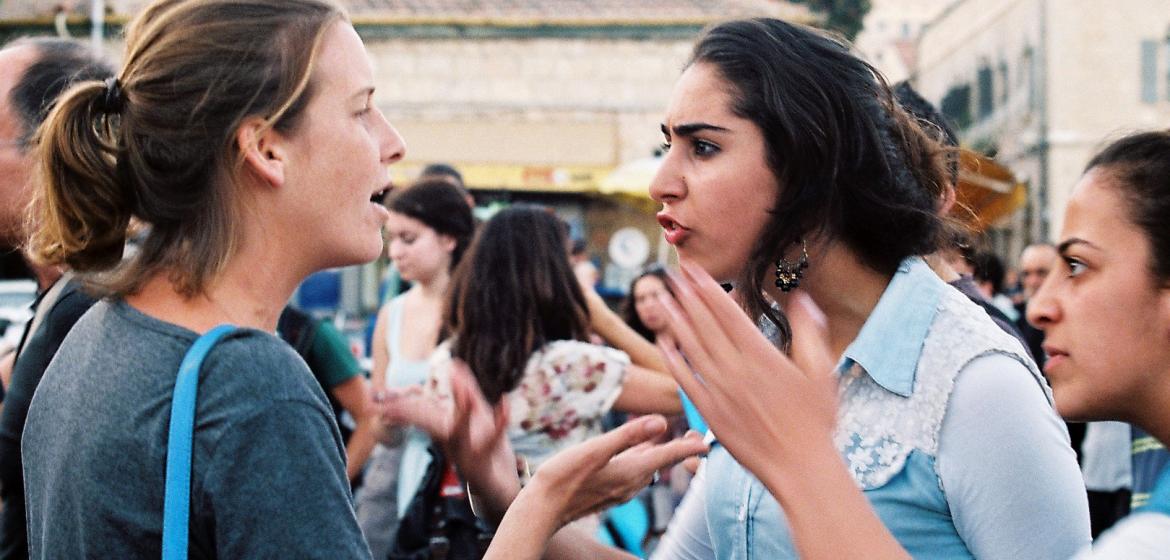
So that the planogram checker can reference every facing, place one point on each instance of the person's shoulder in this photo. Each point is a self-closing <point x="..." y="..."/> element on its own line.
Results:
<point x="258" y="364"/>
<point x="559" y="351"/>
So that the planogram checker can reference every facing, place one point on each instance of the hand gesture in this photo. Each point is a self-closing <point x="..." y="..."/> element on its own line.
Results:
<point x="471" y="432"/>
<point x="611" y="468"/>
<point x="764" y="407"/>
<point x="587" y="477"/>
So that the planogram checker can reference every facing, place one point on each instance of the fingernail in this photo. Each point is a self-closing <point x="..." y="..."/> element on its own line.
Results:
<point x="653" y="424"/>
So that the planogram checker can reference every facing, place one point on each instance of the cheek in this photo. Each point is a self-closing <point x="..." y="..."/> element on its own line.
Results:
<point x="644" y="308"/>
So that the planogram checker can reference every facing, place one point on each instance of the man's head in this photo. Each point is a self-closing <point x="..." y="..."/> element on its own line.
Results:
<point x="33" y="73"/>
<point x="1035" y="262"/>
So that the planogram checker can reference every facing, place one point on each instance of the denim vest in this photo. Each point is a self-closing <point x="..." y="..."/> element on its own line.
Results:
<point x="895" y="382"/>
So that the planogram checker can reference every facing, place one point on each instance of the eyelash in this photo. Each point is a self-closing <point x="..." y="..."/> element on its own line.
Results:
<point x="1075" y="266"/>
<point x="702" y="148"/>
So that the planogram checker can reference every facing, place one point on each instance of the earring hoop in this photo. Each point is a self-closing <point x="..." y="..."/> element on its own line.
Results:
<point x="789" y="273"/>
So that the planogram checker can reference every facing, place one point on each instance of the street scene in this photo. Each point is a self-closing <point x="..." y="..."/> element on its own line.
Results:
<point x="462" y="279"/>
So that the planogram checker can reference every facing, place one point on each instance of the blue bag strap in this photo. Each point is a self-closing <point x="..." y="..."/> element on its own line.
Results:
<point x="177" y="501"/>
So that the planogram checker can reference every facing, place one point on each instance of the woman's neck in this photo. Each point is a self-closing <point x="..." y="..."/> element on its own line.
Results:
<point x="250" y="291"/>
<point x="229" y="299"/>
<point x="1152" y="416"/>
<point x="435" y="287"/>
<point x="845" y="290"/>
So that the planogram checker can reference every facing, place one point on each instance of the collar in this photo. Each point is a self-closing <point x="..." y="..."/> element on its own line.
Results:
<point x="890" y="341"/>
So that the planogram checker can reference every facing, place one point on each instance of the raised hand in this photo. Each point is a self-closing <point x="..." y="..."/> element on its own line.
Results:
<point x="597" y="473"/>
<point x="774" y="414"/>
<point x="471" y="432"/>
<point x="763" y="406"/>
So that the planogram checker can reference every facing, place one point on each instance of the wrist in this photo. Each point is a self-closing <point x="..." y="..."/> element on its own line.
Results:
<point x="803" y="476"/>
<point x="494" y="488"/>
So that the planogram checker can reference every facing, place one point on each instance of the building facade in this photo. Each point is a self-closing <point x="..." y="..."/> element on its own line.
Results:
<point x="1042" y="84"/>
<point x="889" y="34"/>
<point x="533" y="100"/>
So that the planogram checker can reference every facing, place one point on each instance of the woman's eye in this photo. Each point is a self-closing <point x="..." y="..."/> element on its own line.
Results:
<point x="1075" y="267"/>
<point x="705" y="148"/>
<point x="665" y="147"/>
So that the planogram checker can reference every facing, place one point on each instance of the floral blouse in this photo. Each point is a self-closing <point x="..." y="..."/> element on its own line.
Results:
<point x="568" y="385"/>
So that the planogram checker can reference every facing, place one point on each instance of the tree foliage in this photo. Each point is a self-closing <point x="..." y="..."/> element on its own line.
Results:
<point x="842" y="16"/>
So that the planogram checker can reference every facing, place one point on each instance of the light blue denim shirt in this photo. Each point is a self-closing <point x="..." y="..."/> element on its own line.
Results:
<point x="956" y="466"/>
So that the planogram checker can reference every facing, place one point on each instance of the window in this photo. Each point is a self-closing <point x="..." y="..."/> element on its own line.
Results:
<point x="1004" y="90"/>
<point x="1149" y="83"/>
<point x="1027" y="73"/>
<point x="986" y="99"/>
<point x="956" y="105"/>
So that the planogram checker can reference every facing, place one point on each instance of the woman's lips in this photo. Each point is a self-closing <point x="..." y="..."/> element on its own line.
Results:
<point x="675" y="233"/>
<point x="1055" y="358"/>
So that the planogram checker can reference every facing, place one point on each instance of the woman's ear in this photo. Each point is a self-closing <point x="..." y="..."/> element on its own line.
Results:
<point x="262" y="151"/>
<point x="448" y="242"/>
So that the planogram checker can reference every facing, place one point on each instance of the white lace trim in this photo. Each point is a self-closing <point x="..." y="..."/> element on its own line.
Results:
<point x="877" y="429"/>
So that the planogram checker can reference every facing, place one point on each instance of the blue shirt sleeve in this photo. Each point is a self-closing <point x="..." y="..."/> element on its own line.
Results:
<point x="1007" y="468"/>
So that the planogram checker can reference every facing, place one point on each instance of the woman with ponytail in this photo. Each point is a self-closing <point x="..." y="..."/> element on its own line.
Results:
<point x="242" y="138"/>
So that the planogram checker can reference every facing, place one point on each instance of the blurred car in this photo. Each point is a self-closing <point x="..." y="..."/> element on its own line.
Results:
<point x="16" y="299"/>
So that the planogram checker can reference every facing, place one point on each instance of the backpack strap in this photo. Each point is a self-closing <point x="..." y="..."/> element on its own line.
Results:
<point x="177" y="500"/>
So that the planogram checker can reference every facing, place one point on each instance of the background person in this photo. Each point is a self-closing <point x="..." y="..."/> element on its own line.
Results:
<point x="428" y="231"/>
<point x="642" y="310"/>
<point x="33" y="74"/>
<point x="519" y="319"/>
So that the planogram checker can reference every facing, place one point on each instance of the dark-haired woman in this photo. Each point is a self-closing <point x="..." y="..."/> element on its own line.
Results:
<point x="519" y="319"/>
<point x="429" y="228"/>
<point x="251" y="176"/>
<point x="642" y="309"/>
<point x="789" y="165"/>
<point x="1105" y="310"/>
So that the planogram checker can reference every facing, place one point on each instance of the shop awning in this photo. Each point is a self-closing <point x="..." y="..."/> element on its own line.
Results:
<point x="516" y="177"/>
<point x="988" y="190"/>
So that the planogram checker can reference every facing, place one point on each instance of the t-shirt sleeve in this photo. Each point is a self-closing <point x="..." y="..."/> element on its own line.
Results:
<point x="1009" y="474"/>
<point x="276" y="488"/>
<point x="568" y="382"/>
<point x="330" y="356"/>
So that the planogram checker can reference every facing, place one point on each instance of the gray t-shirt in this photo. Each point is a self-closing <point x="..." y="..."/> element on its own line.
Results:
<point x="268" y="476"/>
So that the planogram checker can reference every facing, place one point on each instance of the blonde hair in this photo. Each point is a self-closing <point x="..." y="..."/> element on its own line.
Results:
<point x="158" y="145"/>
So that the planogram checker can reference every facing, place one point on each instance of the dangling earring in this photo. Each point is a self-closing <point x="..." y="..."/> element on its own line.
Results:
<point x="788" y="273"/>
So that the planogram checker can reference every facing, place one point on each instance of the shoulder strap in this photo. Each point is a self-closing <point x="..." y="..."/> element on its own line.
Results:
<point x="177" y="501"/>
